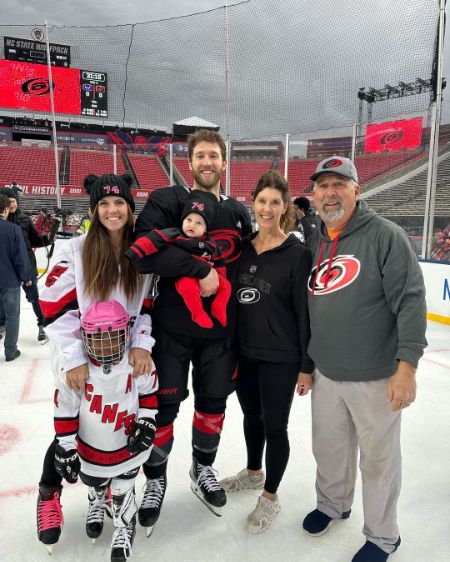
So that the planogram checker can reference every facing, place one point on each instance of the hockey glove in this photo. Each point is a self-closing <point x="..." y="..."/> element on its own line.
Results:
<point x="67" y="464"/>
<point x="142" y="437"/>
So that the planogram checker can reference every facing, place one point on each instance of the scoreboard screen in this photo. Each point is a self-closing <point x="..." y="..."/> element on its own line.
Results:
<point x="25" y="50"/>
<point x="93" y="94"/>
<point x="75" y="92"/>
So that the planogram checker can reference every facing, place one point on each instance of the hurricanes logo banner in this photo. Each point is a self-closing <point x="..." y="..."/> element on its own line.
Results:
<point x="394" y="135"/>
<point x="26" y="86"/>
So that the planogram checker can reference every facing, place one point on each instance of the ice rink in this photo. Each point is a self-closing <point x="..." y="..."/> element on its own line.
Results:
<point x="187" y="531"/>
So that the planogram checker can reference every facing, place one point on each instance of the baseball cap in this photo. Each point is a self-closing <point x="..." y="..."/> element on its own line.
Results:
<point x="337" y="165"/>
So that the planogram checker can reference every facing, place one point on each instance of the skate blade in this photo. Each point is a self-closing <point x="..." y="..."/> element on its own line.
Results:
<point x="93" y="541"/>
<point x="49" y="548"/>
<point x="43" y="342"/>
<point x="149" y="531"/>
<point x="216" y="510"/>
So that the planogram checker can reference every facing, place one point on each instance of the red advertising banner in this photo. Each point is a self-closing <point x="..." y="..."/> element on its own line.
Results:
<point x="395" y="135"/>
<point x="26" y="86"/>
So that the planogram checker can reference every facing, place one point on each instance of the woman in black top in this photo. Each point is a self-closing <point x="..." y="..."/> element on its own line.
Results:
<point x="273" y="331"/>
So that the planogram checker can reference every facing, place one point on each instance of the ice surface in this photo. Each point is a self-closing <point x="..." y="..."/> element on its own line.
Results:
<point x="187" y="531"/>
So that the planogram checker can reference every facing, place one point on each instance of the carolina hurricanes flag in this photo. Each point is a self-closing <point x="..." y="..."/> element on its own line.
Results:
<point x="395" y="135"/>
<point x="26" y="86"/>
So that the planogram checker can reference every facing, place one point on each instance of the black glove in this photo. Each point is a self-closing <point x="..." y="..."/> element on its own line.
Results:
<point x="67" y="464"/>
<point x="142" y="437"/>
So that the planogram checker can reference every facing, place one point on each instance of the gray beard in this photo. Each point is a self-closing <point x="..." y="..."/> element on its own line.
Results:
<point x="332" y="216"/>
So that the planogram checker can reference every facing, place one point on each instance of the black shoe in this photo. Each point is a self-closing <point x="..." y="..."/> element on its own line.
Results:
<point x="370" y="552"/>
<point x="49" y="514"/>
<point x="15" y="355"/>
<point x="317" y="523"/>
<point x="42" y="336"/>
<point x="150" y="508"/>
<point x="205" y="485"/>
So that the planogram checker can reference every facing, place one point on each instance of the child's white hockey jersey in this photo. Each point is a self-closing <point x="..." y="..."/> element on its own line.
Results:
<point x="63" y="301"/>
<point x="98" y="421"/>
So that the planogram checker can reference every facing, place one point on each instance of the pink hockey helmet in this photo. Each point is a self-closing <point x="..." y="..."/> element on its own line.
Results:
<point x="105" y="332"/>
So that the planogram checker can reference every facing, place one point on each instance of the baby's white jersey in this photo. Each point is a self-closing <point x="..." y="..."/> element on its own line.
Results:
<point x="99" y="421"/>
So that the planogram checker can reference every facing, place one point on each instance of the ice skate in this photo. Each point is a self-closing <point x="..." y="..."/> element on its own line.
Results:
<point x="50" y="519"/>
<point x="205" y="486"/>
<point x="150" y="508"/>
<point x="99" y="504"/>
<point x="42" y="336"/>
<point x="124" y="517"/>
<point x="243" y="481"/>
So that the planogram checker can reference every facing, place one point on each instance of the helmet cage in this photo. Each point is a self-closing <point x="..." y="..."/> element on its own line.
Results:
<point x="105" y="332"/>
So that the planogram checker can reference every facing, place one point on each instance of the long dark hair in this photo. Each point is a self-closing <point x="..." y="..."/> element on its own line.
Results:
<point x="102" y="271"/>
<point x="276" y="181"/>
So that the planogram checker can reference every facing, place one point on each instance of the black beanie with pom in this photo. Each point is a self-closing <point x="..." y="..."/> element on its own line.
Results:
<point x="108" y="184"/>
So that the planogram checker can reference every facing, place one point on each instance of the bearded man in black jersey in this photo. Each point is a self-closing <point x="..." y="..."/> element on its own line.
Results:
<point x="179" y="340"/>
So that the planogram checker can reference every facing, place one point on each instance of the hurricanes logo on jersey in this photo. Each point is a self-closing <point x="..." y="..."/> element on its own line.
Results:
<point x="344" y="270"/>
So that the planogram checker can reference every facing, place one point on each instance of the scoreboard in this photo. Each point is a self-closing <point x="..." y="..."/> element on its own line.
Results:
<point x="93" y="94"/>
<point x="25" y="84"/>
<point x="75" y="92"/>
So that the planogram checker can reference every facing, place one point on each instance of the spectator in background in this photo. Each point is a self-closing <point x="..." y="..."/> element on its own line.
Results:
<point x="305" y="222"/>
<point x="32" y="240"/>
<point x="441" y="250"/>
<point x="44" y="222"/>
<point x="14" y="269"/>
<point x="85" y="224"/>
<point x="15" y="187"/>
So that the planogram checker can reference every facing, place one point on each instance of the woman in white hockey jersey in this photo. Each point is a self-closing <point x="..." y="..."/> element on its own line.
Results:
<point x="89" y="269"/>
<point x="105" y="432"/>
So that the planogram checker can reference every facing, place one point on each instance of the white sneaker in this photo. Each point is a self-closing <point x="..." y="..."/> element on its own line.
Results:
<point x="243" y="481"/>
<point x="262" y="516"/>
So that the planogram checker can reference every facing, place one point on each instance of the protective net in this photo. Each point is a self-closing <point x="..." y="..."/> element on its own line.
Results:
<point x="257" y="68"/>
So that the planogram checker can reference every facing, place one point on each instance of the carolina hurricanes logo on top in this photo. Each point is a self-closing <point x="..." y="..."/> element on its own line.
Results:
<point x="344" y="270"/>
<point x="333" y="163"/>
<point x="199" y="206"/>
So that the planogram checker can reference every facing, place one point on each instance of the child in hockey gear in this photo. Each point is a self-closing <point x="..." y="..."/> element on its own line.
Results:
<point x="193" y="237"/>
<point x="106" y="433"/>
<point x="88" y="269"/>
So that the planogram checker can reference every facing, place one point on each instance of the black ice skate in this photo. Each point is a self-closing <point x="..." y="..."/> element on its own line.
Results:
<point x="42" y="336"/>
<point x="124" y="517"/>
<point x="205" y="485"/>
<point x="49" y="515"/>
<point x="99" y="504"/>
<point x="150" y="508"/>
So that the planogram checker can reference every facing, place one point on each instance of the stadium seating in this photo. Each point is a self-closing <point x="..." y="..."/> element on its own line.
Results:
<point x="31" y="166"/>
<point x="148" y="171"/>
<point x="244" y="176"/>
<point x="407" y="198"/>
<point x="83" y="162"/>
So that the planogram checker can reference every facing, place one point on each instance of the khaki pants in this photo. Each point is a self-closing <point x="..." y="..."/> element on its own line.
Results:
<point x="347" y="416"/>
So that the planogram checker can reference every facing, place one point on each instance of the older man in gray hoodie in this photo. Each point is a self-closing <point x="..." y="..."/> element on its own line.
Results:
<point x="368" y="322"/>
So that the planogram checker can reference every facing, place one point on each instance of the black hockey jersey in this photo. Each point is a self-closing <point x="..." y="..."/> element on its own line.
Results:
<point x="163" y="210"/>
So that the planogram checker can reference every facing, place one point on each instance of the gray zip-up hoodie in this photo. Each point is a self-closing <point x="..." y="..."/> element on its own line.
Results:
<point x="367" y="308"/>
